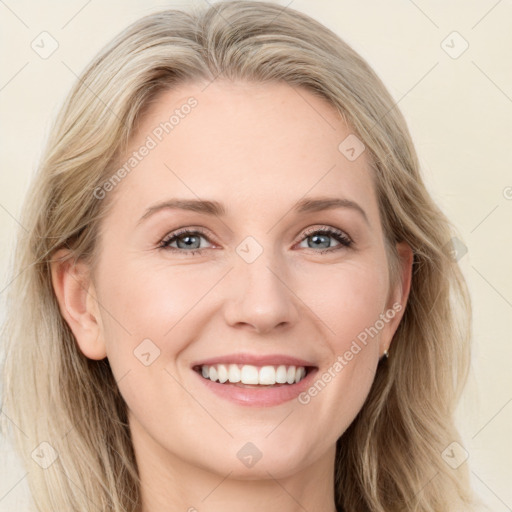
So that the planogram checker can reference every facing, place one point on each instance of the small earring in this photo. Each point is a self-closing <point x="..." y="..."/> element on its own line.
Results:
<point x="386" y="354"/>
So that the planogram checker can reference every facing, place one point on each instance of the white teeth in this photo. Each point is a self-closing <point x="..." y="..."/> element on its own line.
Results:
<point x="213" y="373"/>
<point x="223" y="373"/>
<point x="249" y="374"/>
<point x="267" y="375"/>
<point x="299" y="374"/>
<point x="281" y="374"/>
<point x="234" y="373"/>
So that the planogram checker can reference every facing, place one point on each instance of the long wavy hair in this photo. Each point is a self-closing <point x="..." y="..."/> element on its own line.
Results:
<point x="390" y="458"/>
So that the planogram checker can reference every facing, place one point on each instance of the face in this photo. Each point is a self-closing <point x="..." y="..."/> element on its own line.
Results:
<point x="241" y="243"/>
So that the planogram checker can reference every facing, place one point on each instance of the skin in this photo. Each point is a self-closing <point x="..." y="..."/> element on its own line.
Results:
<point x="258" y="149"/>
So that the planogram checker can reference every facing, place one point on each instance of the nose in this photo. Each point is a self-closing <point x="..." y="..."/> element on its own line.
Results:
<point x="260" y="299"/>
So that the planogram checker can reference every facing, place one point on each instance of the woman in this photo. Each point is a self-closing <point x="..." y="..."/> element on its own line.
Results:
<point x="235" y="290"/>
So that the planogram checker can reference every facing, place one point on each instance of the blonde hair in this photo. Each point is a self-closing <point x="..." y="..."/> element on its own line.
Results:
<point x="390" y="458"/>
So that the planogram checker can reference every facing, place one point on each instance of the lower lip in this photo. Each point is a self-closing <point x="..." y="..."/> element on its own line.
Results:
<point x="259" y="396"/>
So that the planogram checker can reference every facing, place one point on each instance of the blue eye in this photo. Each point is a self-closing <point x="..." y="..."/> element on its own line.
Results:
<point x="320" y="239"/>
<point x="185" y="239"/>
<point x="189" y="241"/>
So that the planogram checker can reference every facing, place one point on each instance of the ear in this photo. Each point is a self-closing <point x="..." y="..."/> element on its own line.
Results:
<point x="399" y="293"/>
<point x="77" y="302"/>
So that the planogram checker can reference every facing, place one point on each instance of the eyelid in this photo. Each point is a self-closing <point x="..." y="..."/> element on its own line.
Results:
<point x="330" y="229"/>
<point x="186" y="230"/>
<point x="305" y="233"/>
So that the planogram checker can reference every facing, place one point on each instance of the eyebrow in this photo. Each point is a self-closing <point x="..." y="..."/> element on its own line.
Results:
<point x="215" y="208"/>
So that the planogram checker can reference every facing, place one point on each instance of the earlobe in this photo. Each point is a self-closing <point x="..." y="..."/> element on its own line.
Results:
<point x="76" y="296"/>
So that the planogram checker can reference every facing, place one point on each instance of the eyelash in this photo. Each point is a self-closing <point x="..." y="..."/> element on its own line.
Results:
<point x="344" y="240"/>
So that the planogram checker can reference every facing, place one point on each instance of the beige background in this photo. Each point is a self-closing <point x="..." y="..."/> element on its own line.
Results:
<point x="459" y="111"/>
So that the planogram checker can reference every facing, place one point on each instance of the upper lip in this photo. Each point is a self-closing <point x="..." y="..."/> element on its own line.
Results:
<point x="255" y="360"/>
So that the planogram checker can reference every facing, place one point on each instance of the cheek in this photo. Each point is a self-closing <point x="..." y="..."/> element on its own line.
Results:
<point x="150" y="315"/>
<point x="146" y="319"/>
<point x="347" y="299"/>
<point x="348" y="307"/>
<point x="141" y="303"/>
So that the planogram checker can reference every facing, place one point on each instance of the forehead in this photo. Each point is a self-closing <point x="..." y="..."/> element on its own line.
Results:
<point x="243" y="142"/>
